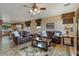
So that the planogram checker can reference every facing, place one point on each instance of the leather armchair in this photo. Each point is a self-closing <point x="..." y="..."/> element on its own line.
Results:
<point x="49" y="34"/>
<point x="56" y="37"/>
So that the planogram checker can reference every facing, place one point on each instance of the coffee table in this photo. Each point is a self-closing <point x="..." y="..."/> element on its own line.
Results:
<point x="41" y="43"/>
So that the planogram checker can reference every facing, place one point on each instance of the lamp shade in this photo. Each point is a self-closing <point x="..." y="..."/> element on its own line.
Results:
<point x="67" y="27"/>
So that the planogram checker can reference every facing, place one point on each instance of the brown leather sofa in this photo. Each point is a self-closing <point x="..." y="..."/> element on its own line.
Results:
<point x="24" y="37"/>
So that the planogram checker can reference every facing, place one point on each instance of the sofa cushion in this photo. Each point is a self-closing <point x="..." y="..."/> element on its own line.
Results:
<point x="49" y="34"/>
<point x="16" y="34"/>
<point x="26" y="34"/>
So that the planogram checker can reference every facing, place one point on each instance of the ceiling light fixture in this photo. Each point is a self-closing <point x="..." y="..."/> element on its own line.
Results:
<point x="34" y="10"/>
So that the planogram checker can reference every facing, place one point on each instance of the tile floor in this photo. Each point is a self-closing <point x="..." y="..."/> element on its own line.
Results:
<point x="8" y="48"/>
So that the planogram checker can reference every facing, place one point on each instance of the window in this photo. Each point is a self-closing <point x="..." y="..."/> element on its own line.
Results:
<point x="38" y="29"/>
<point x="18" y="26"/>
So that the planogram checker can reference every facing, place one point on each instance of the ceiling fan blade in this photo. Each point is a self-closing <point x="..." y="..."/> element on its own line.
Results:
<point x="42" y="8"/>
<point x="67" y="4"/>
<point x="27" y="6"/>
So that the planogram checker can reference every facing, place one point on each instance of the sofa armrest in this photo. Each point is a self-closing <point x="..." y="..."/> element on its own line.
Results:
<point x="17" y="40"/>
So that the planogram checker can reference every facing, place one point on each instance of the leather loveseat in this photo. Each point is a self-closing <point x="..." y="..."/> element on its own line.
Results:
<point x="21" y="37"/>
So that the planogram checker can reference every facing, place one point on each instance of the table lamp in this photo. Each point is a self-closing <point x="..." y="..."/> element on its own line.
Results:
<point x="67" y="28"/>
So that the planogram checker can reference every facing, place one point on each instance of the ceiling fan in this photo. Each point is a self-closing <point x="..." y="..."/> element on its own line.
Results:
<point x="34" y="9"/>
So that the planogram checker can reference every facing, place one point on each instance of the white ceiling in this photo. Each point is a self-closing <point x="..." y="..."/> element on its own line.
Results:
<point x="16" y="12"/>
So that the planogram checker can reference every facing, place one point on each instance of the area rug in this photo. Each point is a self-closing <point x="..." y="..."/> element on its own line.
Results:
<point x="58" y="50"/>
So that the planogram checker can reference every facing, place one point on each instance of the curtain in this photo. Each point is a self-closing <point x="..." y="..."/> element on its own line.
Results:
<point x="28" y="23"/>
<point x="68" y="15"/>
<point x="68" y="18"/>
<point x="38" y="21"/>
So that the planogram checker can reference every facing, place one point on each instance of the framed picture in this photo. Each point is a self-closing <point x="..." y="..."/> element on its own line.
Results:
<point x="50" y="25"/>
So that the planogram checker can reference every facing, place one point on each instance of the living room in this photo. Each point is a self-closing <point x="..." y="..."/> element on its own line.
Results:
<point x="54" y="19"/>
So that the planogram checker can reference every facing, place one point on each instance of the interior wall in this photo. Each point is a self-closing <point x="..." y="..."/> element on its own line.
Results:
<point x="58" y="24"/>
<point x="33" y="26"/>
<point x="55" y="19"/>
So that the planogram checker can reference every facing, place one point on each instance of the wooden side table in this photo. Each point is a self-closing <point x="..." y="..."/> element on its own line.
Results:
<point x="67" y="40"/>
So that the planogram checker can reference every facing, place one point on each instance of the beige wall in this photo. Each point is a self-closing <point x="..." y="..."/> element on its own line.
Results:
<point x="33" y="26"/>
<point x="58" y="25"/>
